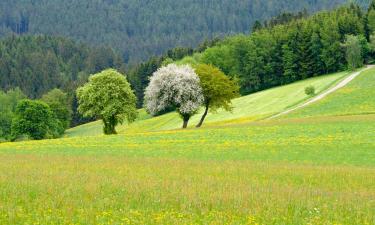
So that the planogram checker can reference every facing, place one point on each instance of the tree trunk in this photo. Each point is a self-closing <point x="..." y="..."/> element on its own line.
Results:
<point x="186" y="121"/>
<point x="109" y="126"/>
<point x="203" y="116"/>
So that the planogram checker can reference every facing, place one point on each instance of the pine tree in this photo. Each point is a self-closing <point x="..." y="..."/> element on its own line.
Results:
<point x="332" y="53"/>
<point x="315" y="49"/>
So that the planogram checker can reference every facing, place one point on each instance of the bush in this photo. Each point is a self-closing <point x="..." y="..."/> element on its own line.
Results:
<point x="35" y="120"/>
<point x="310" y="90"/>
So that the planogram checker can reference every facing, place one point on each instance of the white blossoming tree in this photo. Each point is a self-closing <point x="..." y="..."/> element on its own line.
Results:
<point x="174" y="86"/>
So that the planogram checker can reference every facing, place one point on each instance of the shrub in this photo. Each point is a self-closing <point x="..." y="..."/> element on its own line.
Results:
<point x="310" y="90"/>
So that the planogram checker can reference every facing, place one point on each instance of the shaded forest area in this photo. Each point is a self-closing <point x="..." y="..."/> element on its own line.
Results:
<point x="140" y="29"/>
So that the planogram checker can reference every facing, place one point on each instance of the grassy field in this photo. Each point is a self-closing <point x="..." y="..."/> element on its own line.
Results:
<point x="293" y="170"/>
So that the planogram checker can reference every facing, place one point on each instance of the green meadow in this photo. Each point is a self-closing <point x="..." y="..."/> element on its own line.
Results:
<point x="313" y="166"/>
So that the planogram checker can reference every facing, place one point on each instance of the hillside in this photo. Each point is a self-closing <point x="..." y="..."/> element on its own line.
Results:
<point x="248" y="108"/>
<point x="294" y="49"/>
<point x="354" y="99"/>
<point x="142" y="28"/>
<point x="318" y="169"/>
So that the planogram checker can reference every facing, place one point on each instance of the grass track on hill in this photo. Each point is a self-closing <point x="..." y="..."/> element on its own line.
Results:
<point x="358" y="97"/>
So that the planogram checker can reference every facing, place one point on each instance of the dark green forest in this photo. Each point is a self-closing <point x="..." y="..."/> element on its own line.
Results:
<point x="286" y="48"/>
<point x="281" y="50"/>
<point x="297" y="50"/>
<point x="143" y="28"/>
<point x="37" y="64"/>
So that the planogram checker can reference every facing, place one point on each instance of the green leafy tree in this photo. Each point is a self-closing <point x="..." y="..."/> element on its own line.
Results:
<point x="354" y="55"/>
<point x="8" y="103"/>
<point x="371" y="20"/>
<point x="108" y="96"/>
<point x="34" y="119"/>
<point x="218" y="90"/>
<point x="60" y="105"/>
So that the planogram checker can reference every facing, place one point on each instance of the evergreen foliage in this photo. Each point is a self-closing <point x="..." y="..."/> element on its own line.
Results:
<point x="140" y="29"/>
<point x="302" y="48"/>
<point x="37" y="64"/>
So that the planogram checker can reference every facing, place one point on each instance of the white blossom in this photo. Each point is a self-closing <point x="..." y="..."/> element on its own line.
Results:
<point x="173" y="85"/>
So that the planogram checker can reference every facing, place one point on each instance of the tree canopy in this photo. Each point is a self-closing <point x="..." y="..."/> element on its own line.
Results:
<point x="108" y="96"/>
<point x="140" y="29"/>
<point x="8" y="104"/>
<point x="354" y="55"/>
<point x="283" y="53"/>
<point x="60" y="104"/>
<point x="36" y="120"/>
<point x="218" y="90"/>
<point x="174" y="86"/>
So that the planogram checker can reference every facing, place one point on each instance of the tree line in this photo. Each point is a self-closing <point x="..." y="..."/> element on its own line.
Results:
<point x="109" y="97"/>
<point x="38" y="64"/>
<point x="47" y="117"/>
<point x="140" y="29"/>
<point x="305" y="47"/>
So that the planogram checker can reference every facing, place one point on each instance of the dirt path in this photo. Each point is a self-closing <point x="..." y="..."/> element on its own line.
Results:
<point x="341" y="84"/>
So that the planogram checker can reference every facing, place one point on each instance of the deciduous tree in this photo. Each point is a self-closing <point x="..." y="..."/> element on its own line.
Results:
<point x="108" y="96"/>
<point x="60" y="105"/>
<point x="34" y="119"/>
<point x="174" y="86"/>
<point x="218" y="89"/>
<point x="354" y="55"/>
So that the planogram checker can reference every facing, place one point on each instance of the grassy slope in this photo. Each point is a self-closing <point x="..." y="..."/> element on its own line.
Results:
<point x="358" y="97"/>
<point x="316" y="170"/>
<point x="246" y="109"/>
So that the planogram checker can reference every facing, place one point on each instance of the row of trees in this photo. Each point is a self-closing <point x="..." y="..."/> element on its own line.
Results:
<point x="140" y="29"/>
<point x="289" y="47"/>
<point x="38" y="64"/>
<point x="139" y="75"/>
<point x="109" y="97"/>
<point x="187" y="89"/>
<point x="48" y="117"/>
<point x="324" y="43"/>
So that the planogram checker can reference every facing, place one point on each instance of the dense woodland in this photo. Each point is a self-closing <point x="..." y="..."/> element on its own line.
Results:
<point x="140" y="29"/>
<point x="293" y="51"/>
<point x="287" y="48"/>
<point x="38" y="64"/>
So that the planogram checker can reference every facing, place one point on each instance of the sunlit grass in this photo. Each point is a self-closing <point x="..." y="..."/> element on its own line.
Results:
<point x="358" y="97"/>
<point x="296" y="170"/>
